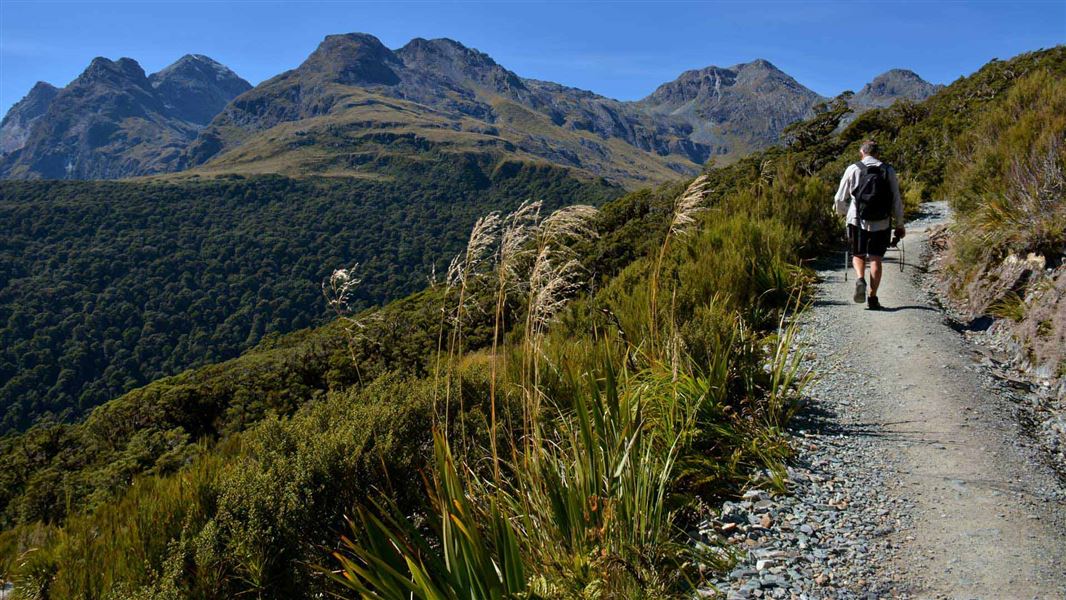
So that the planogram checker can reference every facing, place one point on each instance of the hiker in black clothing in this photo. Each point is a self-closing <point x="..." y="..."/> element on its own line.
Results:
<point x="869" y="197"/>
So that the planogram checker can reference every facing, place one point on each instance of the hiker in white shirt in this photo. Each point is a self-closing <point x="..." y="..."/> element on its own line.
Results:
<point x="870" y="213"/>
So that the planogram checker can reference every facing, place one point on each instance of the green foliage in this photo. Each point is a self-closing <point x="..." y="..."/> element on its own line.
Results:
<point x="618" y="413"/>
<point x="250" y="516"/>
<point x="1007" y="182"/>
<point x="812" y="143"/>
<point x="106" y="286"/>
<point x="472" y="553"/>
<point x="921" y="139"/>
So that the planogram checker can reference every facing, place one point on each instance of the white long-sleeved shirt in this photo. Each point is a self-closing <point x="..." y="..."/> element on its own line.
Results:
<point x="844" y="202"/>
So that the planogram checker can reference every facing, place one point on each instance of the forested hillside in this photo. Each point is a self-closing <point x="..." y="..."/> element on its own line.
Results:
<point x="574" y="392"/>
<point x="105" y="286"/>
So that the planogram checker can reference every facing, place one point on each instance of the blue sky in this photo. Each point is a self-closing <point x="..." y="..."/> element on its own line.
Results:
<point x="619" y="49"/>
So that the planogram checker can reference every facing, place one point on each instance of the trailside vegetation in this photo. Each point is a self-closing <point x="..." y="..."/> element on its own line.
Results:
<point x="233" y="511"/>
<point x="549" y="420"/>
<point x="1007" y="248"/>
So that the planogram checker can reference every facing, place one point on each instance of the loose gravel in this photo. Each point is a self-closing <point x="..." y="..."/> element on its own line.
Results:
<point x="912" y="477"/>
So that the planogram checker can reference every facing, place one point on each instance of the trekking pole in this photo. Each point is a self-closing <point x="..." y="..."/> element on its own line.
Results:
<point x="847" y="252"/>
<point x="898" y="244"/>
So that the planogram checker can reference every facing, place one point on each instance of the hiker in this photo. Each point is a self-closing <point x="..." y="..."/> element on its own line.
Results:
<point x="869" y="196"/>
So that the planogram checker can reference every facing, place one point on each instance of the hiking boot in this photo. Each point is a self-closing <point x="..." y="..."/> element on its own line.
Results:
<point x="872" y="303"/>
<point x="860" y="291"/>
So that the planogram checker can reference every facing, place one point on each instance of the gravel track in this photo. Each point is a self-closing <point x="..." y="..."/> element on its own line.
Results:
<point x="913" y="477"/>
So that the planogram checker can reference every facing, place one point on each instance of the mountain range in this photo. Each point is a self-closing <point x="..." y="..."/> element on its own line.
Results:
<point x="355" y="104"/>
<point x="113" y="120"/>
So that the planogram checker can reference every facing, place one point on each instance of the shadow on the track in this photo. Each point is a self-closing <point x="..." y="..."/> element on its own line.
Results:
<point x="814" y="418"/>
<point x="909" y="307"/>
<point x="817" y="419"/>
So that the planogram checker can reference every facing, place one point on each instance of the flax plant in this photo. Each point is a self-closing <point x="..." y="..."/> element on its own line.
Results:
<point x="592" y="501"/>
<point x="787" y="379"/>
<point x="474" y="551"/>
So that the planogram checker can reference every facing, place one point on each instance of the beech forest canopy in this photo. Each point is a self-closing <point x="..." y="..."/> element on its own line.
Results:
<point x="106" y="286"/>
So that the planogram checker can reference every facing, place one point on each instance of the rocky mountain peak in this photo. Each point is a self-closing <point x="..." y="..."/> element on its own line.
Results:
<point x="35" y="102"/>
<point x="897" y="77"/>
<point x="892" y="85"/>
<point x="753" y="101"/>
<point x="119" y="71"/>
<point x="15" y="128"/>
<point x="456" y="63"/>
<point x="691" y="85"/>
<point x="353" y="59"/>
<point x="42" y="88"/>
<point x="195" y="87"/>
<point x="423" y="52"/>
<point x="760" y="64"/>
<point x="113" y="121"/>
<point x="709" y="84"/>
<point x="196" y="65"/>
<point x="762" y="72"/>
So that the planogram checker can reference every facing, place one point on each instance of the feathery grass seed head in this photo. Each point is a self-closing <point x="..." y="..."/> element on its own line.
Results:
<point x="569" y="223"/>
<point x="689" y="204"/>
<point x="338" y="288"/>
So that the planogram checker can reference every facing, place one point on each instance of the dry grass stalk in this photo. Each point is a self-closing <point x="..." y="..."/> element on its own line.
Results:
<point x="464" y="268"/>
<point x="568" y="224"/>
<point x="686" y="207"/>
<point x="553" y="278"/>
<point x="515" y="245"/>
<point x="1029" y="217"/>
<point x="338" y="289"/>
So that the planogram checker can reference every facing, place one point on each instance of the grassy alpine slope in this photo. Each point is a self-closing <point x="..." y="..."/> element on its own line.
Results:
<point x="1008" y="188"/>
<point x="564" y="457"/>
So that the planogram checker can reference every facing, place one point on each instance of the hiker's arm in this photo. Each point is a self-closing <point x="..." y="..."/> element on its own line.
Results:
<point x="897" y="203"/>
<point x="842" y="200"/>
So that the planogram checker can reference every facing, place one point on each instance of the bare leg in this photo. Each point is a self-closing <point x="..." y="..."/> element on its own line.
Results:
<point x="875" y="274"/>
<point x="860" y="266"/>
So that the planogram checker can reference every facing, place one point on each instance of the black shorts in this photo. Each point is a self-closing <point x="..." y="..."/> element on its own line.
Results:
<point x="868" y="243"/>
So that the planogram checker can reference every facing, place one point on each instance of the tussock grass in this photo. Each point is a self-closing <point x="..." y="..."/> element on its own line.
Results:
<point x="1007" y="184"/>
<point x="623" y="427"/>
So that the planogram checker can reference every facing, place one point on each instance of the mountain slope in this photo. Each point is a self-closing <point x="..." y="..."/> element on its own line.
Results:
<point x="354" y="105"/>
<point x="741" y="108"/>
<point x="890" y="86"/>
<point x="354" y="102"/>
<point x="15" y="128"/>
<point x="114" y="121"/>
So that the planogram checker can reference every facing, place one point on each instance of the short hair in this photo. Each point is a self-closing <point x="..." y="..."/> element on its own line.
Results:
<point x="869" y="148"/>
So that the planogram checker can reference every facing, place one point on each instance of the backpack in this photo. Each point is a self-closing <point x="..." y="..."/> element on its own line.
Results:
<point x="873" y="194"/>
